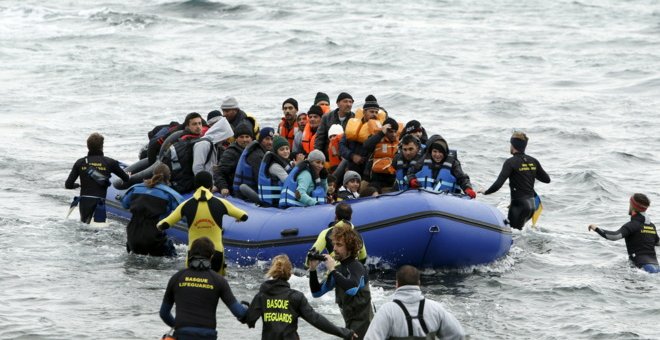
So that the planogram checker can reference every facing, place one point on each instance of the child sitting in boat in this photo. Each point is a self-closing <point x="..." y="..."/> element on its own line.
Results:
<point x="307" y="184"/>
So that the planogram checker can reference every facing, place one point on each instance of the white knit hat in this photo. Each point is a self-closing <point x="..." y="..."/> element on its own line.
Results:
<point x="335" y="129"/>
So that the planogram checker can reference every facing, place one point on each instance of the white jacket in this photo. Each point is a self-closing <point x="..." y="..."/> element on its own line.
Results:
<point x="390" y="321"/>
<point x="217" y="133"/>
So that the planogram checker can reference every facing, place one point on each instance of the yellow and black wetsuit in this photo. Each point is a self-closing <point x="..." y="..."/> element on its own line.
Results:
<point x="204" y="212"/>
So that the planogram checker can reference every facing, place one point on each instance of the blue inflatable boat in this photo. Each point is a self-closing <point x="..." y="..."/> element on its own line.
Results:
<point x="417" y="227"/>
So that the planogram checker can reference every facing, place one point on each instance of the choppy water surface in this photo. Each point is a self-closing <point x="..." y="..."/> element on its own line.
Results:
<point x="581" y="78"/>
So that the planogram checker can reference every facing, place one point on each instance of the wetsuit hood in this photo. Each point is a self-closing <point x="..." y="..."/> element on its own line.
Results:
<point x="220" y="131"/>
<point x="408" y="294"/>
<point x="274" y="287"/>
<point x="202" y="194"/>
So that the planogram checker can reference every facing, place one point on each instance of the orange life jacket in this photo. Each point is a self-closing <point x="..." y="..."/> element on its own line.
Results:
<point x="289" y="134"/>
<point x="383" y="156"/>
<point x="356" y="130"/>
<point x="334" y="157"/>
<point x="308" y="139"/>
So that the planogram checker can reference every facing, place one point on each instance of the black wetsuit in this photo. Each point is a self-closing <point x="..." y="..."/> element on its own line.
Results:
<point x="352" y="293"/>
<point x="196" y="291"/>
<point x="641" y="239"/>
<point x="279" y="308"/>
<point x="91" y="192"/>
<point x="521" y="170"/>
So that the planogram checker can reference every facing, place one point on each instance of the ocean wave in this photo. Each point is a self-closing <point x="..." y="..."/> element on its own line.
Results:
<point x="130" y="20"/>
<point x="204" y="8"/>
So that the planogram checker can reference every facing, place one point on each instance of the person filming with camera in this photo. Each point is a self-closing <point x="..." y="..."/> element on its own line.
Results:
<point x="350" y="279"/>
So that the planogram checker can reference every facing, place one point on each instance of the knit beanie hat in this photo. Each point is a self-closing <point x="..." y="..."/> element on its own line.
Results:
<point x="278" y="142"/>
<point x="205" y="179"/>
<point x="316" y="155"/>
<point x="292" y="102"/>
<point x="393" y="123"/>
<point x="343" y="96"/>
<point x="370" y="102"/>
<point x="229" y="103"/>
<point x="335" y="129"/>
<point x="349" y="175"/>
<point x="519" y="141"/>
<point x="213" y="117"/>
<point x="412" y="126"/>
<point x="320" y="96"/>
<point x="639" y="202"/>
<point x="266" y="132"/>
<point x="315" y="110"/>
<point x="243" y="129"/>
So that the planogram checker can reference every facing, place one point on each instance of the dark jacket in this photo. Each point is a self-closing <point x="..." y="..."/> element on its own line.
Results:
<point x="254" y="160"/>
<point x="328" y="119"/>
<point x="347" y="149"/>
<point x="279" y="308"/>
<point x="89" y="187"/>
<point x="521" y="170"/>
<point x="223" y="174"/>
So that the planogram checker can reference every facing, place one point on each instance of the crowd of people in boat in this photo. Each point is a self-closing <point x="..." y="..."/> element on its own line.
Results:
<point x="314" y="157"/>
<point x="301" y="164"/>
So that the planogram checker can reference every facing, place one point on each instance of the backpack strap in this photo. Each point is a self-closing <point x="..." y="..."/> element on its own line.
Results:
<point x="420" y="316"/>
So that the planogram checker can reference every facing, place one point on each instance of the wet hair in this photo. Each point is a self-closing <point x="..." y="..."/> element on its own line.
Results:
<point x="343" y="211"/>
<point x="407" y="275"/>
<point x="520" y="135"/>
<point x="95" y="142"/>
<point x="349" y="236"/>
<point x="639" y="202"/>
<point x="368" y="191"/>
<point x="202" y="247"/>
<point x="190" y="117"/>
<point x="281" y="268"/>
<point x="161" y="175"/>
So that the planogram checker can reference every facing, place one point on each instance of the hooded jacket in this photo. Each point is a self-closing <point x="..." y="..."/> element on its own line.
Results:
<point x="462" y="179"/>
<point x="223" y="174"/>
<point x="205" y="155"/>
<point x="390" y="320"/>
<point x="279" y="308"/>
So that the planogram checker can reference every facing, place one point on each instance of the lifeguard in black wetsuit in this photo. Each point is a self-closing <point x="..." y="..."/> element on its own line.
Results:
<point x="521" y="170"/>
<point x="640" y="235"/>
<point x="195" y="291"/>
<point x="94" y="172"/>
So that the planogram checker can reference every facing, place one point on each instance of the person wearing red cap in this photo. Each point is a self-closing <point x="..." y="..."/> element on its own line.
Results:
<point x="522" y="171"/>
<point x="640" y="235"/>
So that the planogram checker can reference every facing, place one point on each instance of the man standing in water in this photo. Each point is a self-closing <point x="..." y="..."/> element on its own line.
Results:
<point x="94" y="172"/>
<point x="640" y="235"/>
<point x="521" y="170"/>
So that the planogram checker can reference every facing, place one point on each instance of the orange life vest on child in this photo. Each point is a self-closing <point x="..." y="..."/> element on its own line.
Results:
<point x="334" y="157"/>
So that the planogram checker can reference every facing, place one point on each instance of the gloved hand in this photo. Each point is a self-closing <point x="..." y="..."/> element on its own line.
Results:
<point x="324" y="173"/>
<point x="76" y="185"/>
<point x="414" y="184"/>
<point x="470" y="193"/>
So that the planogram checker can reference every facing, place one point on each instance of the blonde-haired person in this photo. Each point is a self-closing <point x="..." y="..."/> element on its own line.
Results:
<point x="149" y="202"/>
<point x="279" y="307"/>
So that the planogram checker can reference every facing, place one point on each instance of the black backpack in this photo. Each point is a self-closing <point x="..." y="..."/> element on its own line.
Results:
<point x="179" y="158"/>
